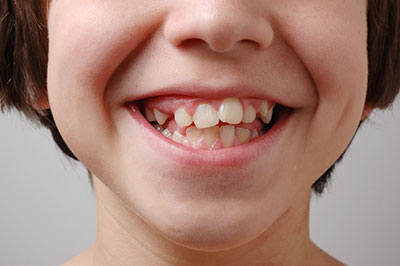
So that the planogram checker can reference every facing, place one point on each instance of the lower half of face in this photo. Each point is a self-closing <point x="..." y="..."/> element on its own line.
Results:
<point x="208" y="127"/>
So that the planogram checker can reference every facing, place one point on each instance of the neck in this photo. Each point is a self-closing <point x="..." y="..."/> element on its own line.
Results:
<point x="123" y="238"/>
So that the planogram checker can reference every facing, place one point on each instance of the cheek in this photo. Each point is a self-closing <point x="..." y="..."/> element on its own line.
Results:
<point x="87" y="42"/>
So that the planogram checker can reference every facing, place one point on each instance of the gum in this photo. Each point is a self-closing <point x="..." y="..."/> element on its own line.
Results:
<point x="169" y="104"/>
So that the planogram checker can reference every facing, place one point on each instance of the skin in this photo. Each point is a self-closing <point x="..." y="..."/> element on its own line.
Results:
<point x="309" y="53"/>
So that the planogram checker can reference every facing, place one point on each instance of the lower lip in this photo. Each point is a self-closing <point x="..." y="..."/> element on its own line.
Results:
<point x="236" y="156"/>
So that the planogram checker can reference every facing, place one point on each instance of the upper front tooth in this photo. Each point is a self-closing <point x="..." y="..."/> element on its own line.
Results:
<point x="249" y="114"/>
<point x="230" y="111"/>
<point x="149" y="115"/>
<point x="160" y="117"/>
<point x="182" y="117"/>
<point x="205" y="116"/>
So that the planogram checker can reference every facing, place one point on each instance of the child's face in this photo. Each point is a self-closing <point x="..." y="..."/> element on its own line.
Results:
<point x="307" y="55"/>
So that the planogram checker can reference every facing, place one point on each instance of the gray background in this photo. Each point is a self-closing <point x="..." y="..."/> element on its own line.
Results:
<point x="47" y="209"/>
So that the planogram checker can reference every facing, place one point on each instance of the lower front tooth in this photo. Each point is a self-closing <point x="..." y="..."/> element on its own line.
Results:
<point x="210" y="135"/>
<point x="166" y="133"/>
<point x="178" y="137"/>
<point x="193" y="134"/>
<point x="227" y="135"/>
<point x="254" y="134"/>
<point x="243" y="135"/>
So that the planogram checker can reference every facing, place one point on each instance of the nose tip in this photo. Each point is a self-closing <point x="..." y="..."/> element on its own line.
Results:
<point x="221" y="27"/>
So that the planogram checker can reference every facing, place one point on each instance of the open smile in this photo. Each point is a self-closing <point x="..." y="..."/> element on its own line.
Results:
<point x="226" y="131"/>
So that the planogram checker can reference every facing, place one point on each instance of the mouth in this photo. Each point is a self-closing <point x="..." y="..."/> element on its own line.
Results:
<point x="223" y="132"/>
<point x="210" y="124"/>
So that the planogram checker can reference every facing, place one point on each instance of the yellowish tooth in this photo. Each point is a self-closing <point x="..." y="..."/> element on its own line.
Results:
<point x="254" y="134"/>
<point x="227" y="135"/>
<point x="211" y="134"/>
<point x="166" y="133"/>
<point x="149" y="115"/>
<point x="230" y="111"/>
<point x="193" y="134"/>
<point x="264" y="108"/>
<point x="182" y="118"/>
<point x="267" y="118"/>
<point x="160" y="117"/>
<point x="178" y="137"/>
<point x="205" y="116"/>
<point x="243" y="135"/>
<point x="249" y="114"/>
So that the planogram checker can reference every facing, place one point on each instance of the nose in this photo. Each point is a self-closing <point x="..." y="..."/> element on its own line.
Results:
<point x="221" y="24"/>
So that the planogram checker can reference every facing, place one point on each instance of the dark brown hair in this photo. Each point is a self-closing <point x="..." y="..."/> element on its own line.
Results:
<point x="24" y="51"/>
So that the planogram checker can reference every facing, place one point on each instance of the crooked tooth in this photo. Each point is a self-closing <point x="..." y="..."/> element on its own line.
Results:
<point x="210" y="135"/>
<point x="149" y="115"/>
<point x="243" y="135"/>
<point x="178" y="137"/>
<point x="249" y="114"/>
<point x="160" y="117"/>
<point x="193" y="134"/>
<point x="182" y="117"/>
<point x="230" y="111"/>
<point x="267" y="118"/>
<point x="205" y="116"/>
<point x="227" y="135"/>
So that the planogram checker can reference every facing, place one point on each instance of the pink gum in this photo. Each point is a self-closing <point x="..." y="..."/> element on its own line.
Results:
<point x="169" y="104"/>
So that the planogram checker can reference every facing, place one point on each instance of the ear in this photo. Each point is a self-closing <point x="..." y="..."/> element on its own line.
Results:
<point x="366" y="111"/>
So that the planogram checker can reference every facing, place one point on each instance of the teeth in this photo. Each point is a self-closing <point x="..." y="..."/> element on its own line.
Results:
<point x="149" y="115"/>
<point x="254" y="134"/>
<point x="205" y="116"/>
<point x="160" y="117"/>
<point x="178" y="137"/>
<point x="166" y="133"/>
<point x="249" y="114"/>
<point x="210" y="135"/>
<point x="267" y="118"/>
<point x="264" y="108"/>
<point x="193" y="134"/>
<point x="182" y="118"/>
<point x="243" y="135"/>
<point x="231" y="111"/>
<point x="227" y="135"/>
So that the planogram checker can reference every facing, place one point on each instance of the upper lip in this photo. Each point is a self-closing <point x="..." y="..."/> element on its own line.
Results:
<point x="201" y="91"/>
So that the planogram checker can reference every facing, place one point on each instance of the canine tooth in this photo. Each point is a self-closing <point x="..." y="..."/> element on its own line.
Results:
<point x="211" y="134"/>
<point x="182" y="117"/>
<point x="166" y="133"/>
<point x="193" y="133"/>
<point x="254" y="134"/>
<point x="264" y="108"/>
<point x="243" y="135"/>
<point x="227" y="135"/>
<point x="267" y="118"/>
<point x="205" y="116"/>
<point x="249" y="114"/>
<point x="178" y="137"/>
<point x="230" y="111"/>
<point x="149" y="115"/>
<point x="160" y="117"/>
